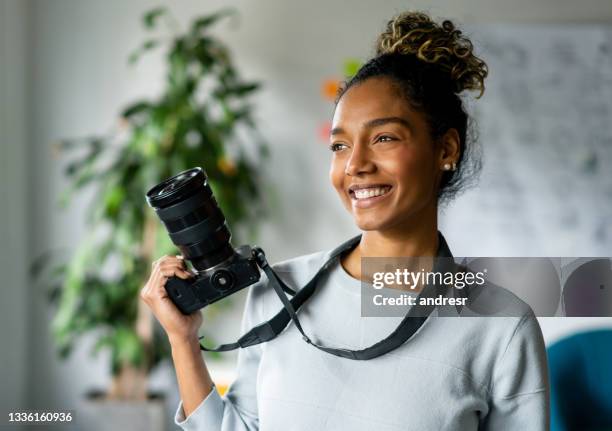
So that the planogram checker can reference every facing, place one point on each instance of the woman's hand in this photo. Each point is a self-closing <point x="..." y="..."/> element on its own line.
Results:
<point x="192" y="375"/>
<point x="178" y="326"/>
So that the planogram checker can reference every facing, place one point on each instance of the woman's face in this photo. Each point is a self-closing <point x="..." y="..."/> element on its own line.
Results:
<point x="380" y="143"/>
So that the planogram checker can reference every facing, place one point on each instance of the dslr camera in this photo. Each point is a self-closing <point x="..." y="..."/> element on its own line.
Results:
<point x="196" y="225"/>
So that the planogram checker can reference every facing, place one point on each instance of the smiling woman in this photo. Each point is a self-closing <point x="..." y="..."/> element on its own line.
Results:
<point x="400" y="135"/>
<point x="400" y="148"/>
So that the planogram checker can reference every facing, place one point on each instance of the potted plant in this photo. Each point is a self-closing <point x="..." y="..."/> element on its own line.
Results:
<point x="194" y="122"/>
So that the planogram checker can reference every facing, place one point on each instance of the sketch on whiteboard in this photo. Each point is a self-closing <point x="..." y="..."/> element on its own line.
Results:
<point x="545" y="127"/>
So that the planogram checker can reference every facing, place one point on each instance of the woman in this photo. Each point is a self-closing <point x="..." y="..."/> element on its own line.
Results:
<point x="399" y="143"/>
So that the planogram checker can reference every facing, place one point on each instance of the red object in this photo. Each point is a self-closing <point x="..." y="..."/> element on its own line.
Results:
<point x="324" y="130"/>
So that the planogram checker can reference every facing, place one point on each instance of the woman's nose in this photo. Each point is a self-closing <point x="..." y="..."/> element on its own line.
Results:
<point x="359" y="162"/>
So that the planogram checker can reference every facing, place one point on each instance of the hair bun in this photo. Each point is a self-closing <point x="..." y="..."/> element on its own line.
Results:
<point x="414" y="33"/>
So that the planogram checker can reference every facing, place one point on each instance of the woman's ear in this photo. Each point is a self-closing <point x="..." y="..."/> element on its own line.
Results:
<point x="449" y="147"/>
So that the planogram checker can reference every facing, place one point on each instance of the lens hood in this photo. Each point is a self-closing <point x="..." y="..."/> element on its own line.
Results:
<point x="177" y="188"/>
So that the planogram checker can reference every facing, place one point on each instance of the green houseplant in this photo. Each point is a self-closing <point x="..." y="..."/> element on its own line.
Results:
<point x="194" y="122"/>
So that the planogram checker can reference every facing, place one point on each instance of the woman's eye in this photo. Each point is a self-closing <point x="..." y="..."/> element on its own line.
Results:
<point x="335" y="147"/>
<point x="384" y="138"/>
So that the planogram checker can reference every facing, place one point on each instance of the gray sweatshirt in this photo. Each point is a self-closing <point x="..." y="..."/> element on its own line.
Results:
<point x="455" y="373"/>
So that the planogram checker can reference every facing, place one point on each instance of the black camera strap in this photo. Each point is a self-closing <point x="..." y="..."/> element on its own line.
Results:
<point x="270" y="329"/>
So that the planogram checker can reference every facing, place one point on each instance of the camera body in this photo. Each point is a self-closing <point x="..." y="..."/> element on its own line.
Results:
<point x="196" y="225"/>
<point x="214" y="283"/>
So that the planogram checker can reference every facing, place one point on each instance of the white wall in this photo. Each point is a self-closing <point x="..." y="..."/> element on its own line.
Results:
<point x="15" y="315"/>
<point x="78" y="80"/>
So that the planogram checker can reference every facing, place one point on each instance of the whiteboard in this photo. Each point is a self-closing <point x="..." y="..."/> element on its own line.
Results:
<point x="545" y="128"/>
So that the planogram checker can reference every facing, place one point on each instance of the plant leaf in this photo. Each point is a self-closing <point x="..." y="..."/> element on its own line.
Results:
<point x="151" y="16"/>
<point x="147" y="46"/>
<point x="202" y="23"/>
<point x="135" y="108"/>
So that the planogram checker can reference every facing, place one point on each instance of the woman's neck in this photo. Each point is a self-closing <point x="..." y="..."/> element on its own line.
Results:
<point x="418" y="243"/>
<point x="404" y="241"/>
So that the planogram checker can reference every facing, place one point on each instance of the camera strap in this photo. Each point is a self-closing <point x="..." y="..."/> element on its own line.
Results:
<point x="270" y="329"/>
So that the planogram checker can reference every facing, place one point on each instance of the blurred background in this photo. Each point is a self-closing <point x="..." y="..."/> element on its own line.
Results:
<point x="543" y="123"/>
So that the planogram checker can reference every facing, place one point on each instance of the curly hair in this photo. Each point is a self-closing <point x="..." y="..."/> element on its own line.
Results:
<point x="432" y="64"/>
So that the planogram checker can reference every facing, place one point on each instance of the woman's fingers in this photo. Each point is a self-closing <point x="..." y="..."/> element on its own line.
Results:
<point x="164" y="268"/>
<point x="178" y="259"/>
<point x="155" y="285"/>
<point x="171" y="268"/>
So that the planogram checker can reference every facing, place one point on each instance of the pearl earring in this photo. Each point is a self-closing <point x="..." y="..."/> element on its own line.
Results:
<point x="447" y="167"/>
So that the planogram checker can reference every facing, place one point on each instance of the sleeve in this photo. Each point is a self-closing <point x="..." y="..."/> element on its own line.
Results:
<point x="237" y="410"/>
<point x="520" y="391"/>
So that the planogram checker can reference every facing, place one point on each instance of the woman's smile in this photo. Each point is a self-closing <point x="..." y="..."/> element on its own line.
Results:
<point x="368" y="196"/>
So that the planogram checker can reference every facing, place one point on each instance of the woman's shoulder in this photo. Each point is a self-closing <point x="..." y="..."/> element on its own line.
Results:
<point x="301" y="266"/>
<point x="295" y="272"/>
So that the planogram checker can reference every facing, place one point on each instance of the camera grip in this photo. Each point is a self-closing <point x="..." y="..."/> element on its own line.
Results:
<point x="181" y="294"/>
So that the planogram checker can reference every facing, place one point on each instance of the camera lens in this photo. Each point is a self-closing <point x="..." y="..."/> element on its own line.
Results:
<point x="186" y="206"/>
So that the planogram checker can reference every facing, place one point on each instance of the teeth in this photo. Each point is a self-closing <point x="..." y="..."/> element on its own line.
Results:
<point x="368" y="193"/>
